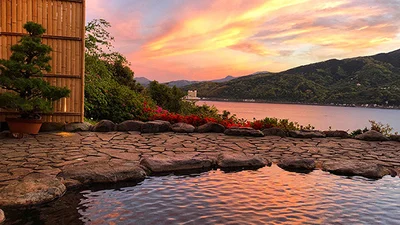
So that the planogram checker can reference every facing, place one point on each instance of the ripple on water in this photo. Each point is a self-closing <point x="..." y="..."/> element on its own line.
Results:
<point x="266" y="196"/>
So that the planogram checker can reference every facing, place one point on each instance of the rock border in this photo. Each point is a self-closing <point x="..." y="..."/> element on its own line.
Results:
<point x="160" y="126"/>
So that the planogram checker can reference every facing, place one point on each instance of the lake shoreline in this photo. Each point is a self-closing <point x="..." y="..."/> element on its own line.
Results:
<point x="299" y="103"/>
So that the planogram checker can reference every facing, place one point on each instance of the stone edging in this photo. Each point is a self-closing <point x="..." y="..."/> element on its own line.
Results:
<point x="159" y="126"/>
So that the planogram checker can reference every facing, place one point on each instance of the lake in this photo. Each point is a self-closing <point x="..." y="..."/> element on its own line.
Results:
<point x="321" y="117"/>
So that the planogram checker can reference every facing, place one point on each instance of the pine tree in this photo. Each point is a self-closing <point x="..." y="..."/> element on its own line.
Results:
<point x="22" y="74"/>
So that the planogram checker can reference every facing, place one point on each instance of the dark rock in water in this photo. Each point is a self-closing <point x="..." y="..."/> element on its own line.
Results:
<point x="306" y="134"/>
<point x="274" y="131"/>
<point x="2" y="217"/>
<point x="77" y="127"/>
<point x="183" y="128"/>
<point x="297" y="164"/>
<point x="159" y="164"/>
<point x="156" y="126"/>
<point x="243" y="131"/>
<point x="240" y="160"/>
<point x="356" y="168"/>
<point x="50" y="127"/>
<point x="102" y="172"/>
<point x="372" y="135"/>
<point x="336" y="133"/>
<point x="211" y="128"/>
<point x="130" y="125"/>
<point x="104" y="126"/>
<point x="395" y="138"/>
<point x="35" y="188"/>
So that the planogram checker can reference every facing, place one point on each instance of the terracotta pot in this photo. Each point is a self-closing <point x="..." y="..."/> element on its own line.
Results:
<point x="24" y="126"/>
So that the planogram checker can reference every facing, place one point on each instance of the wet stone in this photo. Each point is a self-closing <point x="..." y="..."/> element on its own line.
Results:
<point x="130" y="125"/>
<point x="356" y="168"/>
<point x="211" y="128"/>
<point x="240" y="160"/>
<point x="183" y="128"/>
<point x="104" y="126"/>
<point x="35" y="188"/>
<point x="294" y="164"/>
<point x="178" y="163"/>
<point x="103" y="172"/>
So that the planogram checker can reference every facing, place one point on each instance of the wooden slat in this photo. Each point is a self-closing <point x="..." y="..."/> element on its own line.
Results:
<point x="64" y="22"/>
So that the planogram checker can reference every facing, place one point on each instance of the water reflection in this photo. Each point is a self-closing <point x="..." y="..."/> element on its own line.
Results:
<point x="266" y="196"/>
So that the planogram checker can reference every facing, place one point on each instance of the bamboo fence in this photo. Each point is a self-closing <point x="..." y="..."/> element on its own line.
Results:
<point x="64" y="21"/>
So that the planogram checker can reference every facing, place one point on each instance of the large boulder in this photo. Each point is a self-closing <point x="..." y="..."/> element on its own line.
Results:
<point x="102" y="172"/>
<point x="297" y="164"/>
<point x="372" y="135"/>
<point x="130" y="125"/>
<point x="274" y="131"/>
<point x="356" y="168"/>
<point x="104" y="126"/>
<point x="2" y="217"/>
<point x="306" y="134"/>
<point x="163" y="164"/>
<point x="51" y="126"/>
<point x="336" y="133"/>
<point x="35" y="188"/>
<point x="240" y="161"/>
<point x="183" y="128"/>
<point x="211" y="128"/>
<point x="156" y="126"/>
<point x="77" y="127"/>
<point x="243" y="131"/>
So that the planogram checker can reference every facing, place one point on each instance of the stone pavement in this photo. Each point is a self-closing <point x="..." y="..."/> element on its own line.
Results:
<point x="49" y="153"/>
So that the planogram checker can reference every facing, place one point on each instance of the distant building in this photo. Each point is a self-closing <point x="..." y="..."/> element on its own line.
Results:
<point x="191" y="96"/>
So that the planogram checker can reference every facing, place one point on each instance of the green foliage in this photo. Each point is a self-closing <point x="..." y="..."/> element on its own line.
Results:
<point x="166" y="97"/>
<point x="21" y="74"/>
<point x="110" y="90"/>
<point x="385" y="129"/>
<point x="362" y="80"/>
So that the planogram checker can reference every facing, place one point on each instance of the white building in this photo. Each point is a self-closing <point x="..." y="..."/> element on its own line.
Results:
<point x="192" y="95"/>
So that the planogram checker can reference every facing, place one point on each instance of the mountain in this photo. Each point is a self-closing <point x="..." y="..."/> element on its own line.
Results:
<point x="143" y="81"/>
<point x="361" y="80"/>
<point x="182" y="83"/>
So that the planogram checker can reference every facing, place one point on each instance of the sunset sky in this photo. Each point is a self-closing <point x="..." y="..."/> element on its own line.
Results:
<point x="208" y="39"/>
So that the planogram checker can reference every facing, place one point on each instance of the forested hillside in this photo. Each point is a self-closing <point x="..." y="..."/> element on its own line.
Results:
<point x="362" y="80"/>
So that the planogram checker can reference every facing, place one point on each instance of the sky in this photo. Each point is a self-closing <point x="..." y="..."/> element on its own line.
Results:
<point x="209" y="39"/>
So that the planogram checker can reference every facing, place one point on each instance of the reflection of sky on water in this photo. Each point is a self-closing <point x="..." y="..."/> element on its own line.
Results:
<point x="269" y="195"/>
<point x="342" y="118"/>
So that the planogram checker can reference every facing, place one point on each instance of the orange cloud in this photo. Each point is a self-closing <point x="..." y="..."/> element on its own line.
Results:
<point x="211" y="39"/>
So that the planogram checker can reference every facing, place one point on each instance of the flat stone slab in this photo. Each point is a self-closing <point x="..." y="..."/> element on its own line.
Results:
<point x="372" y="135"/>
<point x="130" y="125"/>
<point x="104" y="126"/>
<point x="77" y="127"/>
<point x="336" y="133"/>
<point x="274" y="131"/>
<point x="177" y="163"/>
<point x="240" y="160"/>
<point x="211" y="128"/>
<point x="356" y="168"/>
<point x="35" y="188"/>
<point x="182" y="128"/>
<point x="2" y="217"/>
<point x="306" y="134"/>
<point x="297" y="164"/>
<point x="156" y="126"/>
<point x="243" y="131"/>
<point x="102" y="172"/>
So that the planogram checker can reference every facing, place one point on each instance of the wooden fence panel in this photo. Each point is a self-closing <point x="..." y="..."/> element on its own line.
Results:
<point x="64" y="21"/>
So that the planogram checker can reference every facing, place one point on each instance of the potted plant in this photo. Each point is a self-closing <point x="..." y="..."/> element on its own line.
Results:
<point x="28" y="94"/>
